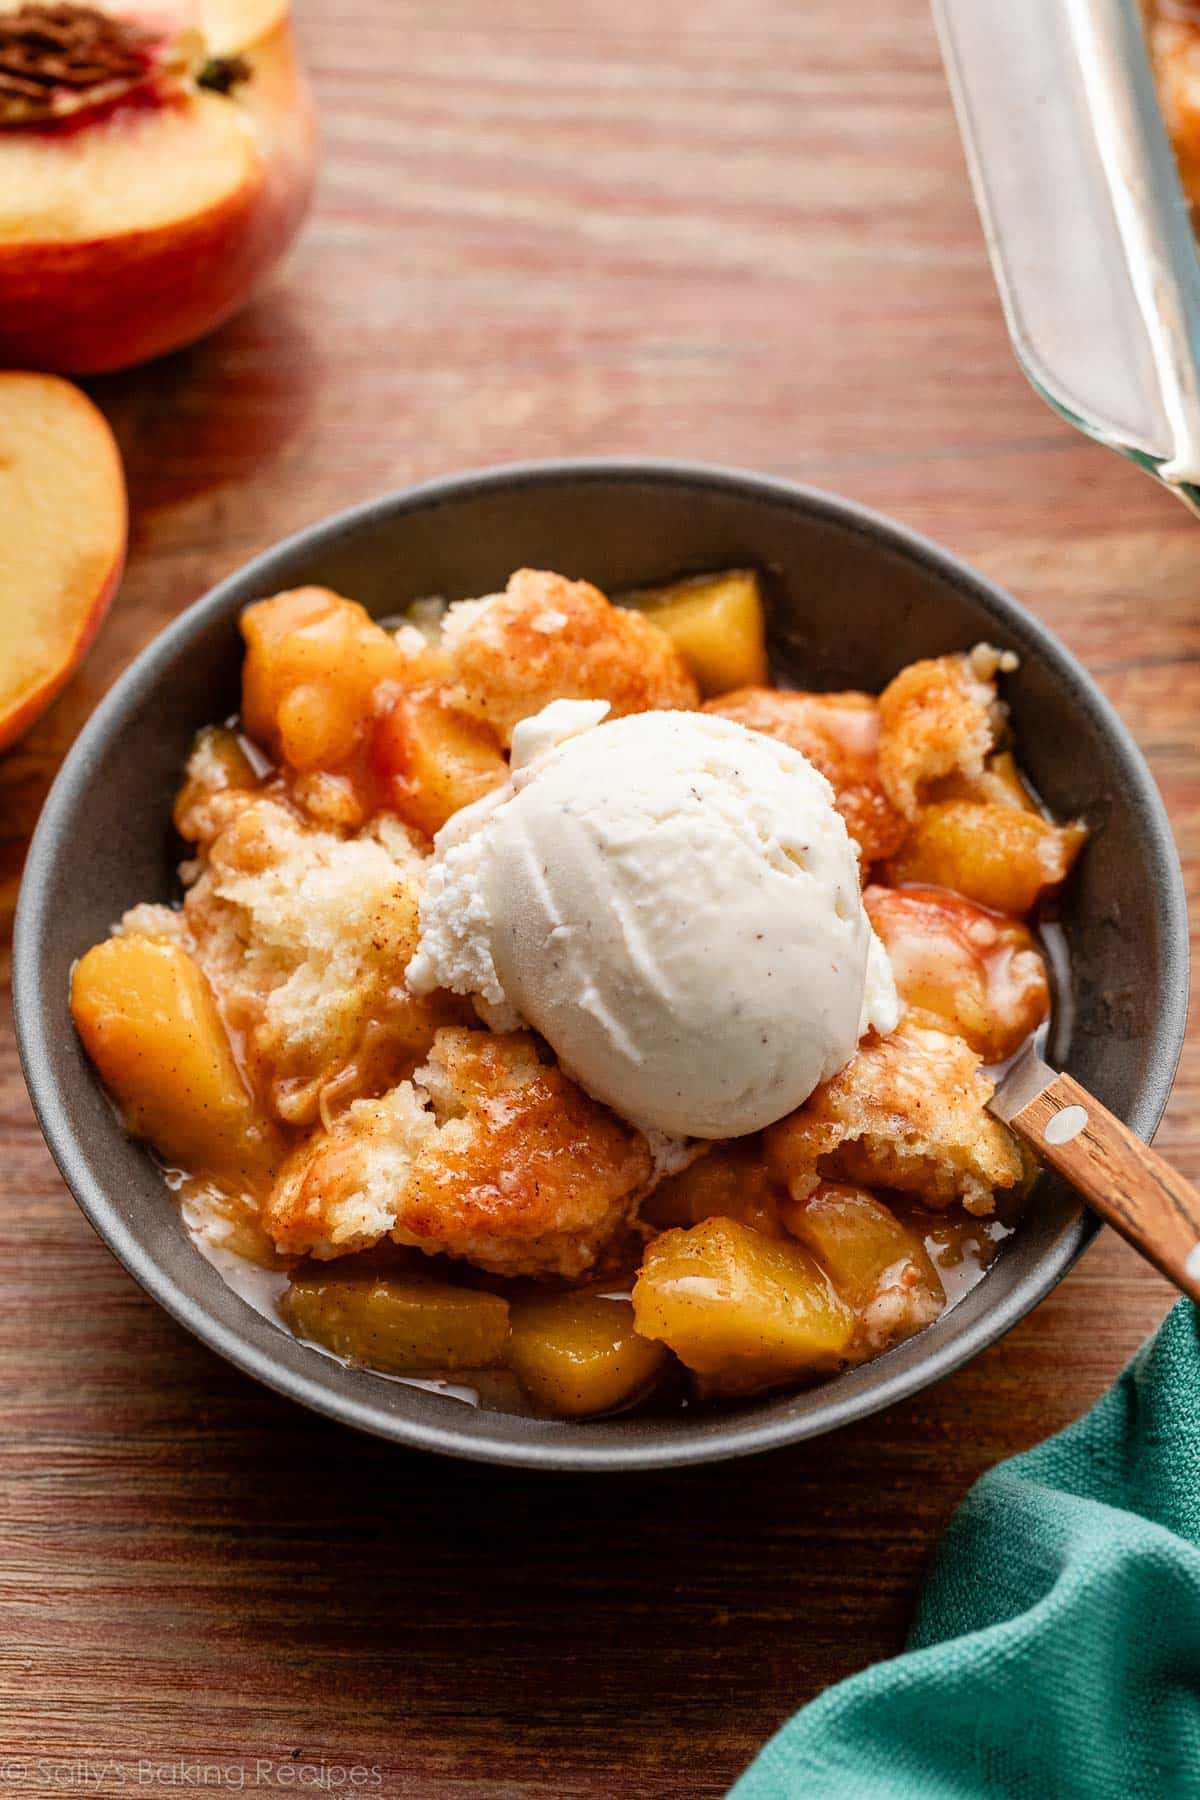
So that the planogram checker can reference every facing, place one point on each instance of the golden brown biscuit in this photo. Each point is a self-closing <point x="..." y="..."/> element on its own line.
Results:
<point x="907" y="1113"/>
<point x="305" y="936"/>
<point x="839" y="734"/>
<point x="937" y="718"/>
<point x="489" y="1154"/>
<point x="546" y="638"/>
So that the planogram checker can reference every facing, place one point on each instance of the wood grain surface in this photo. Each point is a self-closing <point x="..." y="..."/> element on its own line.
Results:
<point x="732" y="232"/>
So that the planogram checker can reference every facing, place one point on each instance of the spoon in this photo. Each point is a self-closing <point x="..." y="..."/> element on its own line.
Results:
<point x="1122" y="1179"/>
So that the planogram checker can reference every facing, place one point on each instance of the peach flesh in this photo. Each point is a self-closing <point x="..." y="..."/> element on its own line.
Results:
<point x="130" y="231"/>
<point x="62" y="495"/>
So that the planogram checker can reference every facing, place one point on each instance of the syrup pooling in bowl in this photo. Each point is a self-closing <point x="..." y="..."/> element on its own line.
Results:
<point x="961" y="1249"/>
<point x="406" y="1188"/>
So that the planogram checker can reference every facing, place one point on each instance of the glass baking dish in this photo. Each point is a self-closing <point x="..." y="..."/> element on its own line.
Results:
<point x="1088" y="228"/>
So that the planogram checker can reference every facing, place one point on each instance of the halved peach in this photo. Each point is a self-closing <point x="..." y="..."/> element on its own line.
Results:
<point x="62" y="497"/>
<point x="139" y="213"/>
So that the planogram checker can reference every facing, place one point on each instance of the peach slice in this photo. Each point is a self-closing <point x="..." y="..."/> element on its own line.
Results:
<point x="149" y="178"/>
<point x="62" y="496"/>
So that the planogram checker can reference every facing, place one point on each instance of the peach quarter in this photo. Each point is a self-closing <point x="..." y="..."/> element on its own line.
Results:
<point x="62" y="496"/>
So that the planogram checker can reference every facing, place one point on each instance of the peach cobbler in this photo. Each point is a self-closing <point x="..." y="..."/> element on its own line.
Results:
<point x="395" y="1073"/>
<point x="1173" y="39"/>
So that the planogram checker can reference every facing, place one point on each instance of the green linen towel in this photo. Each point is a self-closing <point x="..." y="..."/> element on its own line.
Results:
<point x="1056" y="1649"/>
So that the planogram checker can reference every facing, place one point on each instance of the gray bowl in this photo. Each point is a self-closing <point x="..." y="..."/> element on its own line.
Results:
<point x="853" y="598"/>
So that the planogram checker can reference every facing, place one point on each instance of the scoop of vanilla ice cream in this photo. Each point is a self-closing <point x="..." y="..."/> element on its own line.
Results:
<point x="673" y="901"/>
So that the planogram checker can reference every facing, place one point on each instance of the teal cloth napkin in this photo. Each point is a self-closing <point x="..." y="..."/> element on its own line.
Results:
<point x="1056" y="1649"/>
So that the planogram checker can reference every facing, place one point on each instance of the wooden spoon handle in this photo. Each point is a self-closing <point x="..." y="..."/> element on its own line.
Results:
<point x="1121" y="1178"/>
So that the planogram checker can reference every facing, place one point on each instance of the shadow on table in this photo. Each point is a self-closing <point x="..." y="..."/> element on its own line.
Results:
<point x="209" y="420"/>
<point x="236" y="1578"/>
<point x="534" y="1630"/>
<point x="213" y="415"/>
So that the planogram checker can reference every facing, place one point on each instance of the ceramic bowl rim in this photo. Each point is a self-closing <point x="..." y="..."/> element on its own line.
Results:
<point x="743" y="1433"/>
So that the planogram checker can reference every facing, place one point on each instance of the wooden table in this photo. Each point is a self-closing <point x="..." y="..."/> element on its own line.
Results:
<point x="732" y="232"/>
